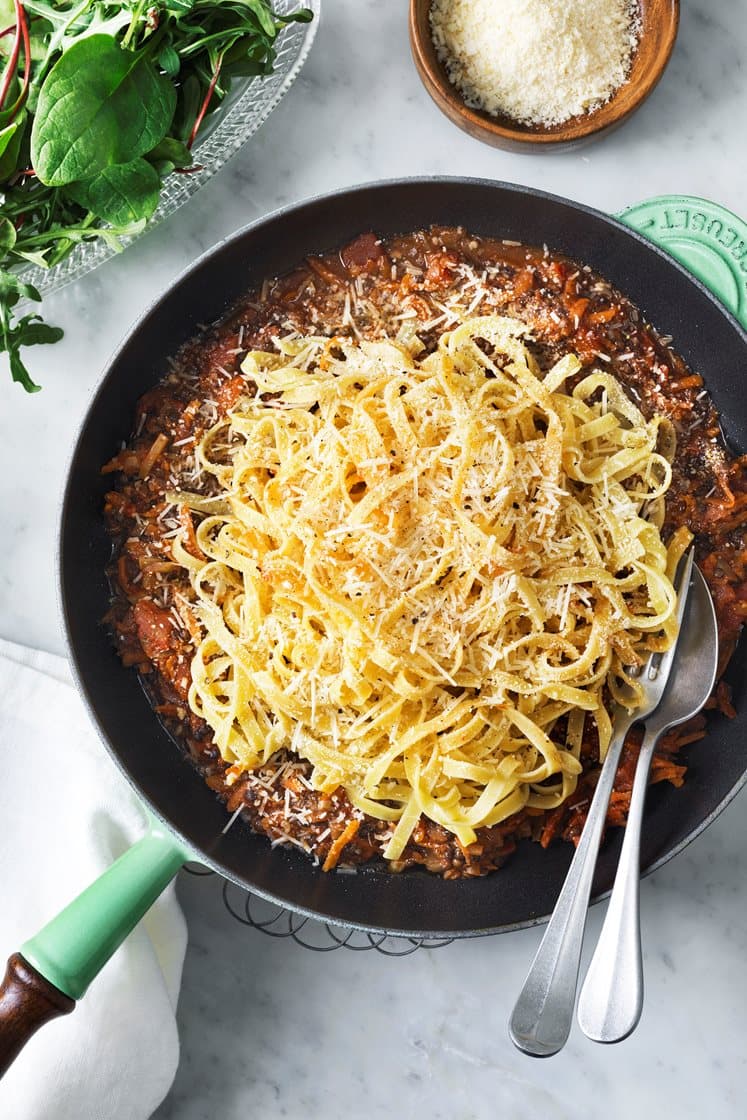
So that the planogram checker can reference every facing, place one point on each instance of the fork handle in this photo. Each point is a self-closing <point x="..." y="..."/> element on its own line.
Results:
<point x="541" y="1020"/>
<point x="612" y="995"/>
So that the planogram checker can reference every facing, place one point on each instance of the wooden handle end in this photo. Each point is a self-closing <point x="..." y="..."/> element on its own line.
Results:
<point x="27" y="1001"/>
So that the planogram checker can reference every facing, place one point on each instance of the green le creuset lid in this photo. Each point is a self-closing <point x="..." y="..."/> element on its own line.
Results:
<point x="706" y="238"/>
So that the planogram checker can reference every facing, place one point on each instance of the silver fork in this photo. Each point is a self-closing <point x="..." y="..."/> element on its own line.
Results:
<point x="542" y="1017"/>
<point x="611" y="999"/>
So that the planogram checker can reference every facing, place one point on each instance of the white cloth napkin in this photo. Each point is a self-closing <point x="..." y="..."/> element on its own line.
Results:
<point x="65" y="815"/>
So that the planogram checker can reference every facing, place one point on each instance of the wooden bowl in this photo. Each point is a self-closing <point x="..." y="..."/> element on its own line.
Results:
<point x="660" y="19"/>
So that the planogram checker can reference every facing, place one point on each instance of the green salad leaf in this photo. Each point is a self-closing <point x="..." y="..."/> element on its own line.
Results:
<point x="125" y="192"/>
<point x="99" y="106"/>
<point x="29" y="330"/>
<point x="7" y="234"/>
<point x="11" y="138"/>
<point x="100" y="101"/>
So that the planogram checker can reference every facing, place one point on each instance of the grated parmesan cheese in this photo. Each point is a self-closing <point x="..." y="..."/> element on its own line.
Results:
<point x="416" y="574"/>
<point x="537" y="61"/>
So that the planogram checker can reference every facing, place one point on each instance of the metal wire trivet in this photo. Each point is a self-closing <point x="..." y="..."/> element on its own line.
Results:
<point x="319" y="937"/>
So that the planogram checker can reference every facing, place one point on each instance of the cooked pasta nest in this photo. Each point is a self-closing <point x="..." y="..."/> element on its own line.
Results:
<point x="423" y="574"/>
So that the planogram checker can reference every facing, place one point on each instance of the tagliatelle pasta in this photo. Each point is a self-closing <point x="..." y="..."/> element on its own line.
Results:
<point x="412" y="572"/>
<point x="408" y="290"/>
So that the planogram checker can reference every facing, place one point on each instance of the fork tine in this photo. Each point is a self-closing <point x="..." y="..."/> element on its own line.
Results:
<point x="683" y="579"/>
<point x="682" y="583"/>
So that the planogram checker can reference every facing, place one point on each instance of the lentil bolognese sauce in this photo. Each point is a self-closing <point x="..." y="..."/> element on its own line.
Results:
<point x="416" y="286"/>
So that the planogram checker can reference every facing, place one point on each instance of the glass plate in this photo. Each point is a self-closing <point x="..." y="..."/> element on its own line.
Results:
<point x="246" y="107"/>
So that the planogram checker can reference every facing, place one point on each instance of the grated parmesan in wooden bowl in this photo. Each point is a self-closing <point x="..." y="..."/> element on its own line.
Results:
<point x="536" y="61"/>
<point x="547" y="73"/>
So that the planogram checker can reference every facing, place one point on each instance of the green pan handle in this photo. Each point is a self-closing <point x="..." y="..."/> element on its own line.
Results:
<point x="707" y="239"/>
<point x="55" y="967"/>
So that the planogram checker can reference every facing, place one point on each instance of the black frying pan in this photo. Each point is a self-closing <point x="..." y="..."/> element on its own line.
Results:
<point x="190" y="816"/>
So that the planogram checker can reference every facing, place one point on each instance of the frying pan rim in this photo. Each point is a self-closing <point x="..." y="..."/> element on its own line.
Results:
<point x="102" y="387"/>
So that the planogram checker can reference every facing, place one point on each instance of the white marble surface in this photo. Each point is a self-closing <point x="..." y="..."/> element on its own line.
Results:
<point x="267" y="1028"/>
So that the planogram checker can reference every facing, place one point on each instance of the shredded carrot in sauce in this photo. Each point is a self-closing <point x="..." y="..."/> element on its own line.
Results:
<point x="342" y="841"/>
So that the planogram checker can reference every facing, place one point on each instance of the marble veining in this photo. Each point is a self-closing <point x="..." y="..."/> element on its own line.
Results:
<point x="269" y="1029"/>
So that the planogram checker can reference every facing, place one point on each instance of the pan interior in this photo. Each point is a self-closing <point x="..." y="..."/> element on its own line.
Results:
<point x="414" y="902"/>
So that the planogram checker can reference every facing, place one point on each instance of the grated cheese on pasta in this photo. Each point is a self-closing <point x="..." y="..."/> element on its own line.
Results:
<point x="415" y="568"/>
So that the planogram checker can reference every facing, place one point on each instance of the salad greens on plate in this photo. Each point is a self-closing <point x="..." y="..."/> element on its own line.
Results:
<point x="99" y="102"/>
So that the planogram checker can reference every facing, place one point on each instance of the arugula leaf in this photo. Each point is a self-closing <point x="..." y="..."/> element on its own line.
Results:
<point x="99" y="106"/>
<point x="29" y="330"/>
<point x="123" y="193"/>
<point x="264" y="15"/>
<point x="179" y="7"/>
<point x="37" y="258"/>
<point x="7" y="234"/>
<point x="12" y="288"/>
<point x="35" y="332"/>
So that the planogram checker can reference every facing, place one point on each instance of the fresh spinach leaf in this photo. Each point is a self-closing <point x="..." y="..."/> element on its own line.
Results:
<point x="168" y="60"/>
<point x="99" y="106"/>
<point x="188" y="105"/>
<point x="123" y="193"/>
<point x="7" y="134"/>
<point x="177" y="153"/>
<point x="11" y="139"/>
